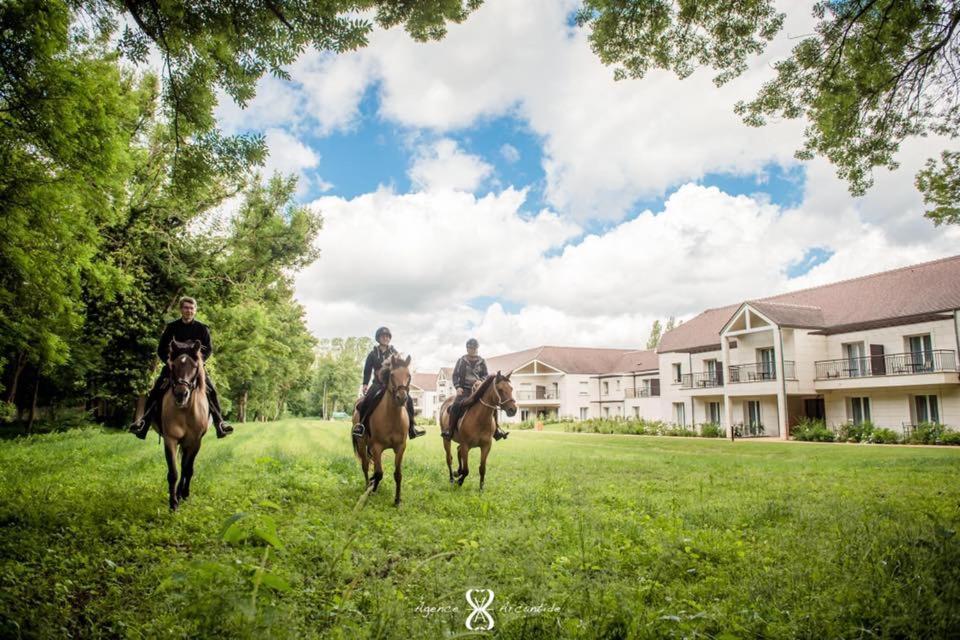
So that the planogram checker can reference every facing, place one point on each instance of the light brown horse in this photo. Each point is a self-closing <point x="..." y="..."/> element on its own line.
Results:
<point x="184" y="416"/>
<point x="386" y="426"/>
<point x="477" y="424"/>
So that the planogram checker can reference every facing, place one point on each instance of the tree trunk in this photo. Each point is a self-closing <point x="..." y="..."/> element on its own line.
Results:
<point x="33" y="406"/>
<point x="242" y="413"/>
<point x="21" y="363"/>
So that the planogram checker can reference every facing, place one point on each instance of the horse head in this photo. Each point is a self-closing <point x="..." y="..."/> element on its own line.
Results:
<point x="505" y="399"/>
<point x="399" y="378"/>
<point x="186" y="369"/>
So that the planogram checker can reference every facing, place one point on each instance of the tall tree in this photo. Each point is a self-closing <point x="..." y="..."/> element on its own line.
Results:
<point x="873" y="74"/>
<point x="654" y="340"/>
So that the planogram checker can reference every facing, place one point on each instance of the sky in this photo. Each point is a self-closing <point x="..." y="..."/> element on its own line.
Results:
<point x="500" y="184"/>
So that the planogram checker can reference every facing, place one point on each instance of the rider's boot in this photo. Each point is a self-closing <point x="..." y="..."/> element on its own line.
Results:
<point x="141" y="427"/>
<point x="500" y="434"/>
<point x="222" y="427"/>
<point x="412" y="431"/>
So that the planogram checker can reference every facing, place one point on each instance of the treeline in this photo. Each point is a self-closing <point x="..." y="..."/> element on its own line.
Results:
<point x="108" y="214"/>
<point x="334" y="379"/>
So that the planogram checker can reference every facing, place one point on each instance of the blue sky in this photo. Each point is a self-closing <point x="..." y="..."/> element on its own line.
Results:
<point x="510" y="188"/>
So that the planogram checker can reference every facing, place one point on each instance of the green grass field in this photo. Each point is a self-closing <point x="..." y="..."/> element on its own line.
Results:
<point x="611" y="536"/>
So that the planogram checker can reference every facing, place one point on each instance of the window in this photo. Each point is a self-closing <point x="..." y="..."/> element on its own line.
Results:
<point x="606" y="412"/>
<point x="524" y="415"/>
<point x="680" y="413"/>
<point x="856" y="364"/>
<point x="927" y="409"/>
<point x="921" y="353"/>
<point x="753" y="414"/>
<point x="713" y="412"/>
<point x="618" y="385"/>
<point x="584" y="388"/>
<point x="711" y="371"/>
<point x="606" y="388"/>
<point x="859" y="410"/>
<point x="584" y="413"/>
<point x="676" y="372"/>
<point x="636" y="412"/>
<point x="766" y="364"/>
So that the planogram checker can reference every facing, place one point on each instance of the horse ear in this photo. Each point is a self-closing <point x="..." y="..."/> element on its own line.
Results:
<point x="499" y="376"/>
<point x="406" y="362"/>
<point x="507" y="377"/>
<point x="196" y="345"/>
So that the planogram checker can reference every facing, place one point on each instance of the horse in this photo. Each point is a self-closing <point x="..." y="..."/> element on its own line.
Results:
<point x="184" y="416"/>
<point x="477" y="424"/>
<point x="386" y="425"/>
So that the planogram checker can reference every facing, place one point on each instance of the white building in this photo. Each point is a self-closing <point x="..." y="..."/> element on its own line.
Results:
<point x="881" y="348"/>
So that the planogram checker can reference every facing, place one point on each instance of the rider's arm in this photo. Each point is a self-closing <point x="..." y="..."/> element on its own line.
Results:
<point x="163" y="348"/>
<point x="206" y="344"/>
<point x="368" y="368"/>
<point x="457" y="373"/>
<point x="482" y="370"/>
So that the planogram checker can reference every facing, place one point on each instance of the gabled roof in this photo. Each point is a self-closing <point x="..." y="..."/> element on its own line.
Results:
<point x="426" y="381"/>
<point x="917" y="291"/>
<point x="578" y="360"/>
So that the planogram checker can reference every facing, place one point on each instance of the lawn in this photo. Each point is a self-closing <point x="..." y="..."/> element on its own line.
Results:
<point x="577" y="535"/>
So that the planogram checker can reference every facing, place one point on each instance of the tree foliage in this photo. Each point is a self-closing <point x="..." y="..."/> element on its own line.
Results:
<point x="873" y="74"/>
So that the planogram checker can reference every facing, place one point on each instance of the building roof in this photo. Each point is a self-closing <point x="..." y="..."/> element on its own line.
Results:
<point x="917" y="291"/>
<point x="426" y="381"/>
<point x="582" y="360"/>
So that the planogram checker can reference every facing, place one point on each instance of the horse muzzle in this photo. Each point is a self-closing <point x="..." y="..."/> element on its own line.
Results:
<point x="511" y="410"/>
<point x="181" y="396"/>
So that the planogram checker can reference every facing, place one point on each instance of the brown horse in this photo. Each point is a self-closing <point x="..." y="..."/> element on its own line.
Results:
<point x="477" y="424"/>
<point x="386" y="426"/>
<point x="184" y="416"/>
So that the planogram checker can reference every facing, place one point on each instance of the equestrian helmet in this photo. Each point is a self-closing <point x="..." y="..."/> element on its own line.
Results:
<point x="473" y="344"/>
<point x="382" y="331"/>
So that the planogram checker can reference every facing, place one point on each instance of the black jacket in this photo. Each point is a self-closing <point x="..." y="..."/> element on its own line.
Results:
<point x="182" y="332"/>
<point x="465" y="372"/>
<point x="375" y="360"/>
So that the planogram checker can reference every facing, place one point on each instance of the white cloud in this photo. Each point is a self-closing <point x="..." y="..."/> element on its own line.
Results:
<point x="509" y="153"/>
<point x="287" y="155"/>
<point x="443" y="165"/>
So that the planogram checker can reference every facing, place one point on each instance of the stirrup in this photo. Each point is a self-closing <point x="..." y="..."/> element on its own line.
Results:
<point x="358" y="430"/>
<point x="500" y="434"/>
<point x="413" y="432"/>
<point x="223" y="429"/>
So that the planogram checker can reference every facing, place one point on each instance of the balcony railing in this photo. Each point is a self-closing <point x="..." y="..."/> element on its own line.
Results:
<point x="547" y="394"/>
<point x="761" y="372"/>
<point x="638" y="393"/>
<point x="701" y="380"/>
<point x="893" y="364"/>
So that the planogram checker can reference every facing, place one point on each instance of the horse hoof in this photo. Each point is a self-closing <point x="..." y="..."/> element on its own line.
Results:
<point x="174" y="505"/>
<point x="396" y="503"/>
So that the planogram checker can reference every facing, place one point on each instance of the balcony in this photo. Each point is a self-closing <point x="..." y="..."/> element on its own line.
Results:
<point x="539" y="396"/>
<point x="639" y="393"/>
<point x="761" y="372"/>
<point x="894" y="364"/>
<point x="703" y="380"/>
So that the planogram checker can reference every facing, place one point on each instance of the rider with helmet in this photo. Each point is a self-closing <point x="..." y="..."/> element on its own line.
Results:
<point x="375" y="360"/>
<point x="469" y="370"/>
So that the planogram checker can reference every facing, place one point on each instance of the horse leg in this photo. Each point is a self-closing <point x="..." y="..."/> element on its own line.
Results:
<point x="170" y="451"/>
<point x="186" y="475"/>
<point x="377" y="466"/>
<point x="484" y="450"/>
<point x="364" y="461"/>
<point x="397" y="474"/>
<point x="446" y="445"/>
<point x="464" y="452"/>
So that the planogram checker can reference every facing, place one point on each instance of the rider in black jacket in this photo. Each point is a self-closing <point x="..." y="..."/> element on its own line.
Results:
<point x="185" y="329"/>
<point x="375" y="359"/>
<point x="469" y="370"/>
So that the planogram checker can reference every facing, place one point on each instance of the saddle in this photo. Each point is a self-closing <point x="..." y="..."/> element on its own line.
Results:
<point x="370" y="401"/>
<point x="479" y="388"/>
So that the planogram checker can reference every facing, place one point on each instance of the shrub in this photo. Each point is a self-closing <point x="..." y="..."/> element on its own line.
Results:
<point x="884" y="436"/>
<point x="850" y="432"/>
<point x="712" y="430"/>
<point x="809" y="430"/>
<point x="926" y="433"/>
<point x="951" y="438"/>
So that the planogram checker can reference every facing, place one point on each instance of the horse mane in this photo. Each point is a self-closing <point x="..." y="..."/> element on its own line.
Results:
<point x="482" y="389"/>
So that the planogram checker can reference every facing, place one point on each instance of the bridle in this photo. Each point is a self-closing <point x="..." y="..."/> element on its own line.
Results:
<point x="189" y="384"/>
<point x="397" y="388"/>
<point x="500" y="400"/>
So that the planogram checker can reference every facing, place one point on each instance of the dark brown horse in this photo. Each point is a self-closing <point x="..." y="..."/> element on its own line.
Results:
<point x="386" y="426"/>
<point x="477" y="424"/>
<point x="185" y="415"/>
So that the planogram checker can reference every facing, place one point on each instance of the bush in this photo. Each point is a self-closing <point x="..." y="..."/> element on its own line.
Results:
<point x="951" y="438"/>
<point x="809" y="430"/>
<point x="712" y="430"/>
<point x="926" y="433"/>
<point x="884" y="436"/>
<point x="850" y="432"/>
